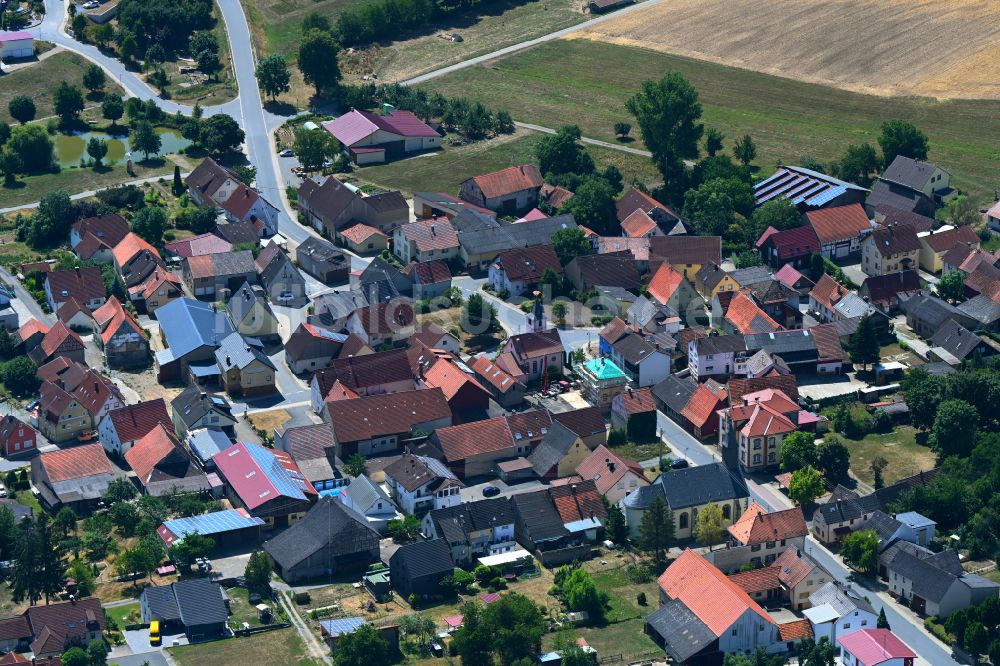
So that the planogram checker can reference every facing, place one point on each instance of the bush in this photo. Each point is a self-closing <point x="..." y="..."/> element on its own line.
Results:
<point x="937" y="630"/>
<point x="641" y="598"/>
<point x="617" y="437"/>
<point x="639" y="574"/>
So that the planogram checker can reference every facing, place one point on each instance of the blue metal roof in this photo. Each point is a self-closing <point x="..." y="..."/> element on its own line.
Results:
<point x="341" y="626"/>
<point x="188" y="324"/>
<point x="287" y="482"/>
<point x="211" y="523"/>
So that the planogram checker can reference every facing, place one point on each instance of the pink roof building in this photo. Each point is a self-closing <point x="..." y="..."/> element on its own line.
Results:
<point x="369" y="136"/>
<point x="875" y="647"/>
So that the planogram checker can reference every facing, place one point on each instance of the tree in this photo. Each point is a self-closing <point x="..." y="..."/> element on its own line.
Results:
<point x="318" y="60"/>
<point x="878" y="465"/>
<point x="363" y="647"/>
<point x="570" y="244"/>
<point x="273" y="76"/>
<point x="668" y="112"/>
<point x="177" y="186"/>
<point x="79" y="25"/>
<point x="209" y="62"/>
<point x="955" y="427"/>
<point x="883" y="621"/>
<point x="136" y="562"/>
<point x="860" y="549"/>
<point x="75" y="656"/>
<point x="97" y="148"/>
<point x="19" y="376"/>
<point x="994" y="652"/>
<point x="315" y="21"/>
<point x="951" y="286"/>
<point x="863" y="346"/>
<point x="119" y="490"/>
<point x="779" y="213"/>
<point x="220" y="133"/>
<point x="622" y="129"/>
<point x="65" y="520"/>
<point x="81" y="572"/>
<point x="561" y="153"/>
<point x="150" y="223"/>
<point x="22" y="109"/>
<point x="102" y="34"/>
<point x="246" y="174"/>
<point x="817" y="653"/>
<point x="858" y="164"/>
<point x="6" y="351"/>
<point x="112" y="107"/>
<point x="191" y="547"/>
<point x="709" y="527"/>
<point x="67" y="101"/>
<point x="97" y="652"/>
<point x="923" y="393"/>
<point x="713" y="141"/>
<point x="258" y="571"/>
<point x="976" y="639"/>
<point x="355" y="465"/>
<point x="798" y="450"/>
<point x="417" y="625"/>
<point x="745" y="150"/>
<point x="313" y="147"/>
<point x="656" y="530"/>
<point x="593" y="206"/>
<point x="478" y="316"/>
<point x="159" y="79"/>
<point x="128" y="49"/>
<point x="580" y="594"/>
<point x="760" y="657"/>
<point x="559" y="311"/>
<point x="615" y="525"/>
<point x="961" y="211"/>
<point x="401" y="531"/>
<point x="10" y="165"/>
<point x="94" y="78"/>
<point x="145" y="139"/>
<point x="834" y="460"/>
<point x="712" y="206"/>
<point x="899" y="137"/>
<point x="805" y="486"/>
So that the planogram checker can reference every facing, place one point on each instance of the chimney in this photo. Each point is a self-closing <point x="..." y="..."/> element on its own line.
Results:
<point x="229" y="361"/>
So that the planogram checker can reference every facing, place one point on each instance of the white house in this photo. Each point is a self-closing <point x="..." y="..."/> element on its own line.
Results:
<point x="368" y="499"/>
<point x="16" y="45"/>
<point x="717" y="356"/>
<point x="834" y="613"/>
<point x="211" y="184"/>
<point x="644" y="361"/>
<point x="419" y="484"/>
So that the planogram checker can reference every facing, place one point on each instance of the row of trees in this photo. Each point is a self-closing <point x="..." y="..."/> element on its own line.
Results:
<point x="372" y="21"/>
<point x="163" y="26"/>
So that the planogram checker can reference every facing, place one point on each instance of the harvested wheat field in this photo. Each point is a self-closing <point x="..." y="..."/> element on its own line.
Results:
<point x="935" y="48"/>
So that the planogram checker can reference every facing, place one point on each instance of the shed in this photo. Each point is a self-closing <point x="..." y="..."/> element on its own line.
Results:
<point x="18" y="44"/>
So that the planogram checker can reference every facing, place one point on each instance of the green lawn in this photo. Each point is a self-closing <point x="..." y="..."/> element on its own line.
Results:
<point x="26" y="498"/>
<point x="76" y="179"/>
<point x="444" y="170"/>
<point x="587" y="82"/>
<point x="282" y="647"/>
<point x="120" y="614"/>
<point x="40" y="80"/>
<point x="993" y="244"/>
<point x="906" y="457"/>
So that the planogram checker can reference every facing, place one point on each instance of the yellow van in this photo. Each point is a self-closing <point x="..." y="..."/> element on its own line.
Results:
<point x="154" y="633"/>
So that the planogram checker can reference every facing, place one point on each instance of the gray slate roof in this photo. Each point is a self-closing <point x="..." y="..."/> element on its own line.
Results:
<point x="162" y="603"/>
<point x="194" y="403"/>
<point x="365" y="494"/>
<point x="982" y="308"/>
<point x="539" y="516"/>
<point x="479" y="239"/>
<point x="956" y="339"/>
<point x="199" y="602"/>
<point x="910" y="172"/>
<point x="455" y="522"/>
<point x="675" y="392"/>
<point x="236" y="352"/>
<point x="556" y="444"/>
<point x="425" y="558"/>
<point x="884" y="526"/>
<point x="243" y="301"/>
<point x="206" y="443"/>
<point x="328" y="525"/>
<point x="683" y="634"/>
<point x="842" y="602"/>
<point x="702" y="484"/>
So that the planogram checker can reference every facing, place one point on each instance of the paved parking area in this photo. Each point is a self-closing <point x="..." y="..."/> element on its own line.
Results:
<point x="474" y="493"/>
<point x="230" y="567"/>
<point x="138" y="641"/>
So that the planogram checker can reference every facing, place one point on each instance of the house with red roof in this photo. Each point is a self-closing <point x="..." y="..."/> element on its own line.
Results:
<point x="704" y="615"/>
<point x="211" y="184"/>
<point x="744" y="316"/>
<point x="634" y="410"/>
<point x="124" y="342"/>
<point x="16" y="437"/>
<point x="666" y="220"/>
<point x="613" y="476"/>
<point x="509" y="190"/>
<point x="886" y="291"/>
<point x="789" y="247"/>
<point x="430" y="278"/>
<point x="465" y="395"/>
<point x="330" y="205"/>
<point x="874" y="647"/>
<point x="267" y="483"/>
<point x="193" y="246"/>
<point x="362" y="238"/>
<point x="58" y="341"/>
<point x="93" y="238"/>
<point x="890" y="249"/>
<point x="77" y="477"/>
<point x="528" y="356"/>
<point x="791" y="277"/>
<point x="840" y="229"/>
<point x="935" y="244"/>
<point x="507" y="391"/>
<point x="159" y="288"/>
<point x="124" y="426"/>
<point x="787" y="580"/>
<point x="519" y="271"/>
<point x="84" y="284"/>
<point x="135" y="259"/>
<point x="383" y="322"/>
<point x="75" y="315"/>
<point x="770" y="532"/>
<point x="473" y="449"/>
<point x="701" y="411"/>
<point x="16" y="44"/>
<point x="756" y="426"/>
<point x="425" y="240"/>
<point x="163" y="466"/>
<point x="29" y="335"/>
<point x="377" y="424"/>
<point x="640" y="225"/>
<point x="371" y="139"/>
<point x="668" y="287"/>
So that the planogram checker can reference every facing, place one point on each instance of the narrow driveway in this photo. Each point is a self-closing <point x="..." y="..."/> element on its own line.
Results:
<point x="27" y="301"/>
<point x="315" y="648"/>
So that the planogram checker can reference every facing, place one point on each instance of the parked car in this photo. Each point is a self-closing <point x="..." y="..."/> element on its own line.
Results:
<point x="3" y="490"/>
<point x="287" y="152"/>
<point x="491" y="491"/>
<point x="680" y="463"/>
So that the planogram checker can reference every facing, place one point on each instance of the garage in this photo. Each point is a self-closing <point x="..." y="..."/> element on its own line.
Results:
<point x="16" y="45"/>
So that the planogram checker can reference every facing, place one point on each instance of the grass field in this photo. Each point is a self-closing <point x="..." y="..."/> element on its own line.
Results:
<point x="282" y="647"/>
<point x="445" y="170"/>
<point x="40" y="80"/>
<point x="939" y="48"/>
<point x="587" y="83"/>
<point x="120" y="614"/>
<point x="221" y="89"/>
<point x="906" y="457"/>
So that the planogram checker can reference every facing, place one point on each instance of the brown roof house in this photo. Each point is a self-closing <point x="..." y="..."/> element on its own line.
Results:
<point x="93" y="238"/>
<point x="280" y="278"/>
<point x="210" y="275"/>
<point x="687" y="254"/>
<point x="528" y="356"/>
<point x="885" y="291"/>
<point x="383" y="322"/>
<point x="426" y="240"/>
<point x="312" y="347"/>
<point x="135" y="260"/>
<point x="211" y="184"/>
<point x="329" y="205"/>
<point x="159" y="288"/>
<point x="473" y="449"/>
<point x="518" y="272"/>
<point x="124" y="342"/>
<point x="58" y="341"/>
<point x="840" y="229"/>
<point x="431" y="279"/>
<point x="57" y="627"/>
<point x="379" y="423"/>
<point x="510" y="190"/>
<point x="123" y="427"/>
<point x="890" y="250"/>
<point x="559" y="454"/>
<point x="84" y="284"/>
<point x="935" y="244"/>
<point x="77" y="477"/>
<point x="635" y="200"/>
<point x="163" y="466"/>
<point x="507" y="391"/>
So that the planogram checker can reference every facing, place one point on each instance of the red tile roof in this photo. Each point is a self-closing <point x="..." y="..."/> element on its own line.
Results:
<point x="795" y="630"/>
<point x="30" y="328"/>
<point x="383" y="318"/>
<point x="111" y="317"/>
<point x="359" y="233"/>
<point x="787" y="384"/>
<point x="578" y="501"/>
<point x="828" y="292"/>
<point x="790" y="276"/>
<point x="756" y="525"/>
<point x="107" y="229"/>
<point x="259" y="475"/>
<point x="635" y="199"/>
<point x="129" y="247"/>
<point x="792" y="568"/>
<point x="493" y="375"/>
<point x="942" y="241"/>
<point x="756" y="581"/>
<point x="149" y="451"/>
<point x="95" y="390"/>
<point x="508" y="181"/>
<point x="686" y="249"/>
<point x="70" y="309"/>
<point x="637" y="247"/>
<point x="471" y="439"/>
<point x="746" y="317"/>
<point x="638" y="401"/>
<point x="447" y="376"/>
<point x="431" y="234"/>
<point x="638" y="224"/>
<point x="701" y="406"/>
<point x="875" y="646"/>
<point x="705" y="591"/>
<point x="664" y="284"/>
<point x="207" y="243"/>
<point x="839" y="223"/>
<point x="791" y="243"/>
<point x="60" y="339"/>
<point x="83" y="284"/>
<point x="76" y="463"/>
<point x="528" y="264"/>
<point x="388" y="414"/>
<point x="583" y="422"/>
<point x="883" y="288"/>
<point x="132" y="422"/>
<point x="156" y="279"/>
<point x="606" y="468"/>
<point x="428" y="272"/>
<point x="765" y="421"/>
<point x="896" y="239"/>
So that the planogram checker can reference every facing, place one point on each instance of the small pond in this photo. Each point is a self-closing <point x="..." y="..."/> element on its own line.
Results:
<point x="71" y="148"/>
